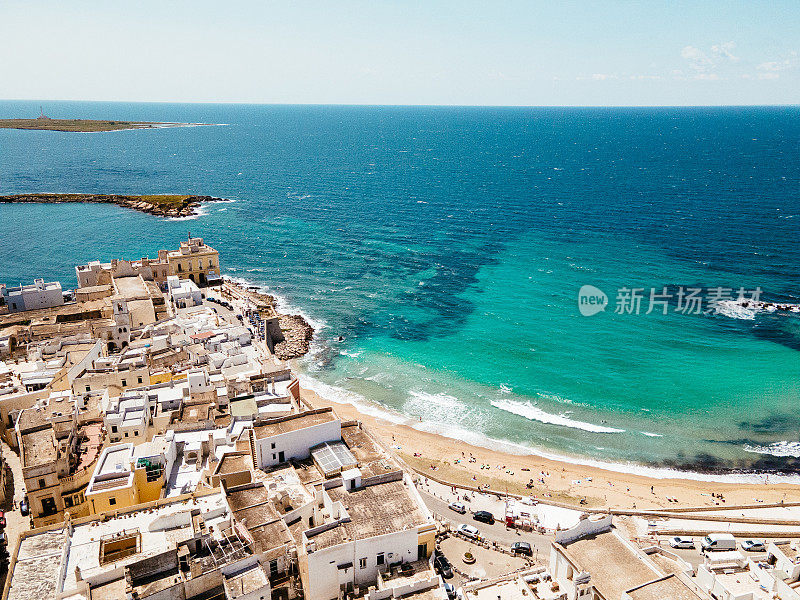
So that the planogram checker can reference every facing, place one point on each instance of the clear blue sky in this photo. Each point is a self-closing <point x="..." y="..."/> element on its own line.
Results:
<point x="427" y="52"/>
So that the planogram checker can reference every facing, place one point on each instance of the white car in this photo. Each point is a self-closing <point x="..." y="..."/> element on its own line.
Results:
<point x="681" y="542"/>
<point x="469" y="531"/>
<point x="753" y="546"/>
<point x="458" y="507"/>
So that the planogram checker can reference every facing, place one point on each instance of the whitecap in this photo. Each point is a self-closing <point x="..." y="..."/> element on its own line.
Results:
<point x="648" y="434"/>
<point x="782" y="449"/>
<point x="534" y="413"/>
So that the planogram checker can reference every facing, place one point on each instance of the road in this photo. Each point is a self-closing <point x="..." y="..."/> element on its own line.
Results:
<point x="540" y="544"/>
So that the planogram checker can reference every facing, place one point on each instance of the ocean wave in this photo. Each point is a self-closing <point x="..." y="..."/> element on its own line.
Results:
<point x="534" y="413"/>
<point x="350" y="354"/>
<point x="478" y="439"/>
<point x="734" y="310"/>
<point x="199" y="212"/>
<point x="748" y="309"/>
<point x="343" y="396"/>
<point x="648" y="434"/>
<point x="425" y="400"/>
<point x="781" y="449"/>
<point x="454" y="431"/>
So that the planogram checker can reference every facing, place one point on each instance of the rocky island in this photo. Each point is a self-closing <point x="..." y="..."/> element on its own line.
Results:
<point x="83" y="125"/>
<point x="159" y="205"/>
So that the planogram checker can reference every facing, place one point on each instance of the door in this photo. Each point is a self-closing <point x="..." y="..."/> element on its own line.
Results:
<point x="422" y="551"/>
<point x="281" y="456"/>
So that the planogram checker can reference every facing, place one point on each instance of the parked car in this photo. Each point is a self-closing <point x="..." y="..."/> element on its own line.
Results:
<point x="451" y="591"/>
<point x="484" y="516"/>
<point x="753" y="546"/>
<point x="718" y="541"/>
<point x="458" y="507"/>
<point x="521" y="548"/>
<point x="681" y="542"/>
<point x="442" y="566"/>
<point x="24" y="507"/>
<point x="469" y="531"/>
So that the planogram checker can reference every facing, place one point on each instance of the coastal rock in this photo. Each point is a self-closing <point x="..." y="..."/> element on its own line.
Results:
<point x="297" y="335"/>
<point x="158" y="205"/>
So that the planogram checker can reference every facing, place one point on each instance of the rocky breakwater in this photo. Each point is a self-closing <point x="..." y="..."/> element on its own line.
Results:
<point x="173" y="206"/>
<point x="297" y="336"/>
<point x="297" y="333"/>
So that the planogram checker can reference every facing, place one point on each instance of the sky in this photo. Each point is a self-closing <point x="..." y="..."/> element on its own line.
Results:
<point x="527" y="53"/>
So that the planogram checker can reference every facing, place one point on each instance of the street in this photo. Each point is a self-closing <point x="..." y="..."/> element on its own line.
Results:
<point x="540" y="544"/>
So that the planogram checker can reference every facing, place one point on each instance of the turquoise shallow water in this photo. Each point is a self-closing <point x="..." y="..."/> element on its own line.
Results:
<point x="447" y="247"/>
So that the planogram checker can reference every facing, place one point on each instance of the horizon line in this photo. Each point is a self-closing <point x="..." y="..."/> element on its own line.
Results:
<point x="407" y="105"/>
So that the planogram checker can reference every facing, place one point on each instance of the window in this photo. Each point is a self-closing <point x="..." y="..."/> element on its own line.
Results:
<point x="139" y="379"/>
<point x="126" y="434"/>
<point x="42" y="483"/>
<point x="362" y="563"/>
<point x="112" y="501"/>
<point x="135" y="433"/>
<point x="274" y="456"/>
<point x="68" y="502"/>
<point x="273" y="445"/>
<point x="124" y="382"/>
<point x="380" y="560"/>
<point x="180" y="268"/>
<point x="87" y="388"/>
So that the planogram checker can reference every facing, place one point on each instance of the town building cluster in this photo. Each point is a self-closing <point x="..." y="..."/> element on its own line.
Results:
<point x="167" y="453"/>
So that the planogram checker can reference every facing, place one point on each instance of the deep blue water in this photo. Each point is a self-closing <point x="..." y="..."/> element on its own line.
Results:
<point x="447" y="247"/>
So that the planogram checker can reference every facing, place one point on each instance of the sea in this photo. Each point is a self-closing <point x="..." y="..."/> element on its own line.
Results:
<point x="569" y="282"/>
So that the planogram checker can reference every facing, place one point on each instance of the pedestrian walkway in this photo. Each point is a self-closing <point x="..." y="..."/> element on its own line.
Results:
<point x="15" y="522"/>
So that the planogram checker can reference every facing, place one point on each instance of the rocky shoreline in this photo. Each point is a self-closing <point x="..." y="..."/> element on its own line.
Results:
<point x="172" y="206"/>
<point x="297" y="333"/>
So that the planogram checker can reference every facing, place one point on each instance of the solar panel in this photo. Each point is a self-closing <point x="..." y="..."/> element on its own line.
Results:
<point x="332" y="457"/>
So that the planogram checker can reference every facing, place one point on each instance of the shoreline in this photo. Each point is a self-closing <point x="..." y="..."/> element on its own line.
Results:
<point x="298" y="332"/>
<point x="565" y="480"/>
<point x="159" y="205"/>
<point x="713" y="474"/>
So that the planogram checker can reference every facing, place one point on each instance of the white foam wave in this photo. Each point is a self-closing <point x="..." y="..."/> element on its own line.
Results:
<point x="199" y="212"/>
<point x="734" y="310"/>
<point x="484" y="441"/>
<point x="648" y="434"/>
<point x="350" y="354"/>
<point x="450" y="430"/>
<point x="781" y="449"/>
<point x="534" y="413"/>
<point x="424" y="400"/>
<point x="343" y="396"/>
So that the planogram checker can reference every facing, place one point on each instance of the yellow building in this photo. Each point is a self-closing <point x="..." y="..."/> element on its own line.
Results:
<point x="193" y="260"/>
<point x="127" y="475"/>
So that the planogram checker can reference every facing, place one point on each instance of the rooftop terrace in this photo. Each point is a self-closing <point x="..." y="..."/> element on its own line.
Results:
<point x="374" y="510"/>
<point x="614" y="567"/>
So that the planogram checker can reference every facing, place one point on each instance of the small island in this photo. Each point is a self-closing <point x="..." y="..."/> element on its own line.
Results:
<point x="82" y="125"/>
<point x="159" y="205"/>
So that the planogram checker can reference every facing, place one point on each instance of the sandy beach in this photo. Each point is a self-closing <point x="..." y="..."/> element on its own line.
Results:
<point x="459" y="463"/>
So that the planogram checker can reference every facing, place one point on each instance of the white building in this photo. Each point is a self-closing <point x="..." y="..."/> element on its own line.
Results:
<point x="127" y="417"/>
<point x="31" y="297"/>
<point x="184" y="292"/>
<point x="292" y="437"/>
<point x="367" y="535"/>
<point x="591" y="561"/>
